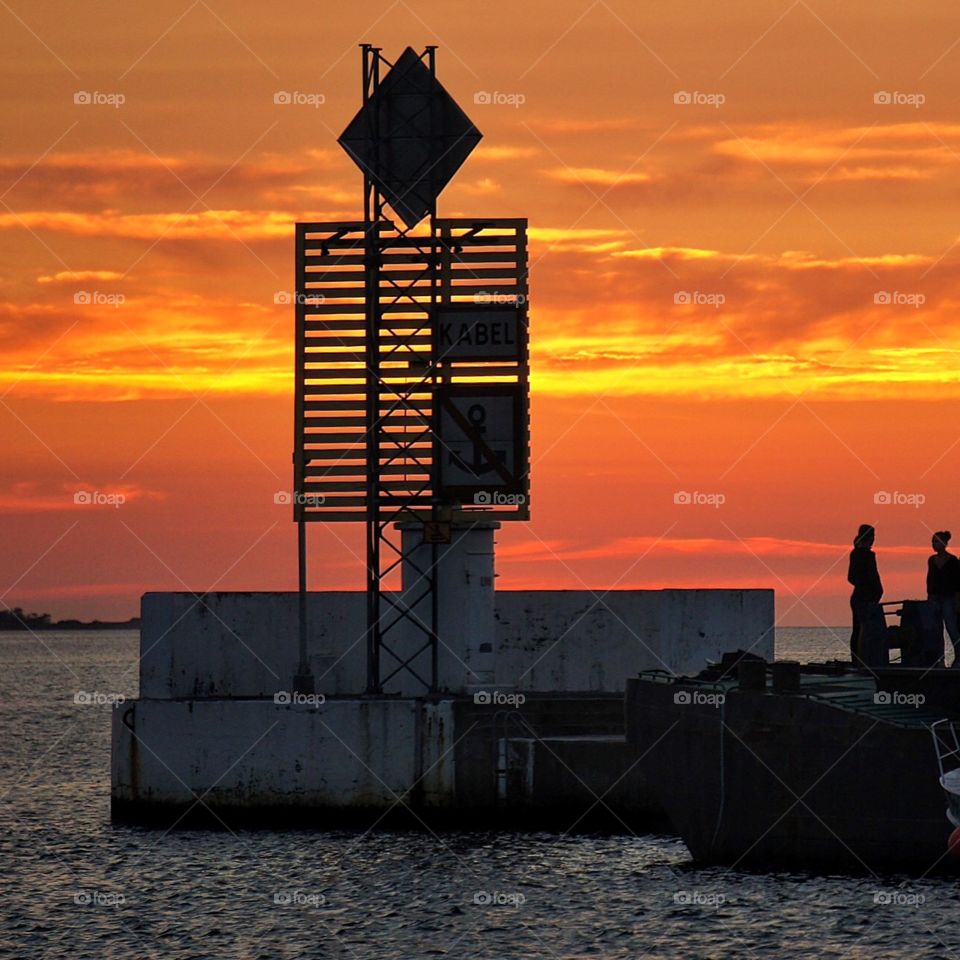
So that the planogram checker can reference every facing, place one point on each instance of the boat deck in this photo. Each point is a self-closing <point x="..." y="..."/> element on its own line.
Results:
<point x="852" y="691"/>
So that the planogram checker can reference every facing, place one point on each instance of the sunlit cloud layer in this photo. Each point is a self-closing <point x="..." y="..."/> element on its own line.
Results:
<point x="759" y="290"/>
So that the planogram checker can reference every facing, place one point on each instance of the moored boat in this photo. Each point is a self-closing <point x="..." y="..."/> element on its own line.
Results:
<point x="782" y="766"/>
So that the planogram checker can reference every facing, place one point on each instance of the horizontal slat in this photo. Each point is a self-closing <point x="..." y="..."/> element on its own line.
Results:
<point x="359" y="259"/>
<point x="320" y="454"/>
<point x="314" y="373"/>
<point x="318" y="324"/>
<point x="311" y="406"/>
<point x="419" y="509"/>
<point x="417" y="475"/>
<point x="316" y="251"/>
<point x="460" y="244"/>
<point x="499" y="254"/>
<point x="322" y="390"/>
<point x="415" y="315"/>
<point x="390" y="420"/>
<point x="343" y="502"/>
<point x="327" y="309"/>
<point x="348" y="439"/>
<point x="461" y="283"/>
<point x="330" y="294"/>
<point x="313" y="245"/>
<point x="327" y="226"/>
<point x="387" y="340"/>
<point x="334" y="453"/>
<point x="332" y="516"/>
<point x="345" y="276"/>
<point x="348" y="501"/>
<point x="390" y="444"/>
<point x="387" y="399"/>
<point x="320" y="406"/>
<point x="358" y="486"/>
<point x="337" y="338"/>
<point x="407" y="383"/>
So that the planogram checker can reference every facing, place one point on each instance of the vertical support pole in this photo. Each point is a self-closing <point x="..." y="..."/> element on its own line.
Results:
<point x="436" y="297"/>
<point x="303" y="681"/>
<point x="371" y="249"/>
<point x="434" y="618"/>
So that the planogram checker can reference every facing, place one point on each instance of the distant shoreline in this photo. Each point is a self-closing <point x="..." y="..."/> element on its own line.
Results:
<point x="28" y="627"/>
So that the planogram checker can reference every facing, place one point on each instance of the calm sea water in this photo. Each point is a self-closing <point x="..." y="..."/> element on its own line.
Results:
<point x="73" y="885"/>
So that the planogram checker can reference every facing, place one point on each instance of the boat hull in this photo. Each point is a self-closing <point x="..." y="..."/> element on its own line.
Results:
<point x="769" y="780"/>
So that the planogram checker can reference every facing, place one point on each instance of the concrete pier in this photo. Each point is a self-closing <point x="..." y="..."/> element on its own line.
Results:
<point x="219" y="736"/>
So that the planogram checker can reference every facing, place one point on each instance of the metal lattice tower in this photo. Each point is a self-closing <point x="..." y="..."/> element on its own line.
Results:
<point x="378" y="374"/>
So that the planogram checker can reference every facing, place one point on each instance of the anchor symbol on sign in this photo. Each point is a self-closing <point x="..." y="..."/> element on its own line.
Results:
<point x="477" y="415"/>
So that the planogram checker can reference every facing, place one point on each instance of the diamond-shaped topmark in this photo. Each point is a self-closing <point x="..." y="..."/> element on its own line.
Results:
<point x="410" y="138"/>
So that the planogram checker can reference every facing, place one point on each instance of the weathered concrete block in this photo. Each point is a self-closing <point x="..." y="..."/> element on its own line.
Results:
<point x="257" y="754"/>
<point x="577" y="641"/>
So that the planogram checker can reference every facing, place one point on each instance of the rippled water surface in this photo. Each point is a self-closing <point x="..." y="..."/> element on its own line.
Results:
<point x="76" y="886"/>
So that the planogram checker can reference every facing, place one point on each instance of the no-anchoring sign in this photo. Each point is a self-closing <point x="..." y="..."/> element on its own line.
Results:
<point x="483" y="440"/>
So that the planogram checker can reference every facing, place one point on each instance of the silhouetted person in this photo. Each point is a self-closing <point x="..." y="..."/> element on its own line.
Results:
<point x="943" y="582"/>
<point x="864" y="577"/>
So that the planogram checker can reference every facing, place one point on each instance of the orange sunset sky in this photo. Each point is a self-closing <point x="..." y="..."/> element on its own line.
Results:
<point x="804" y="203"/>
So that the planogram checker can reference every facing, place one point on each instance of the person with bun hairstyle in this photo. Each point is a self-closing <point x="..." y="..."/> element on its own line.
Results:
<point x="863" y="576"/>
<point x="943" y="583"/>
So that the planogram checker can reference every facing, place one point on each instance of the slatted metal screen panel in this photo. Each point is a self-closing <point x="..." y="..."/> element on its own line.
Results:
<point x="464" y="262"/>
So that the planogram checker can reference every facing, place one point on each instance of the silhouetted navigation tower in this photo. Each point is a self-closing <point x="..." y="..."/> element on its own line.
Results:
<point x="412" y="368"/>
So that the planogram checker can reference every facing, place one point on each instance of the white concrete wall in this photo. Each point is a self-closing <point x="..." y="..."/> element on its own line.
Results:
<point x="248" y="753"/>
<point x="578" y="640"/>
<point x="699" y="624"/>
<point x="245" y="644"/>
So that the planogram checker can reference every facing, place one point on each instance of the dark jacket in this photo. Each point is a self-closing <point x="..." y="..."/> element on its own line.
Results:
<point x="943" y="581"/>
<point x="864" y="576"/>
